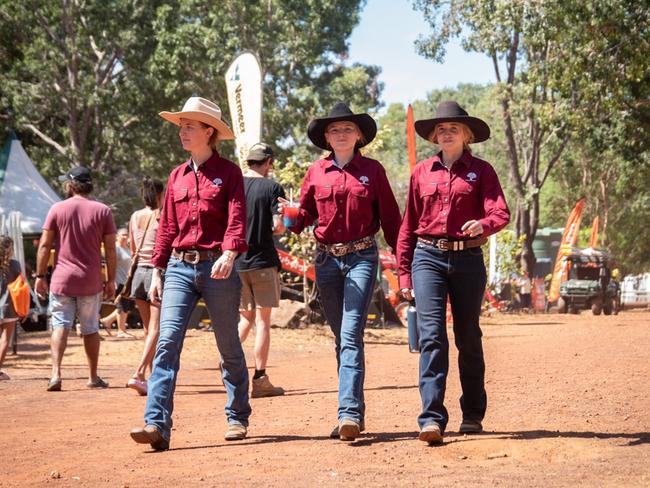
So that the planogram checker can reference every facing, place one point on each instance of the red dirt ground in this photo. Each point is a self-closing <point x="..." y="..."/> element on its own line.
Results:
<point x="568" y="406"/>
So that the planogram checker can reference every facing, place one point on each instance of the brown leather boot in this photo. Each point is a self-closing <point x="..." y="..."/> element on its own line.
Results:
<point x="262" y="387"/>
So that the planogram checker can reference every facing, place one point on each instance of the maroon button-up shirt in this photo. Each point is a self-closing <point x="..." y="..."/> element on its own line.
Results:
<point x="442" y="200"/>
<point x="205" y="210"/>
<point x="350" y="203"/>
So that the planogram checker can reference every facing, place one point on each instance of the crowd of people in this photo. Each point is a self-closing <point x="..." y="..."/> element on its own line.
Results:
<point x="210" y="235"/>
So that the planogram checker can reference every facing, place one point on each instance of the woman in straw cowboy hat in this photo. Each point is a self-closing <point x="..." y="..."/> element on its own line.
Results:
<point x="350" y="197"/>
<point x="455" y="201"/>
<point x="201" y="231"/>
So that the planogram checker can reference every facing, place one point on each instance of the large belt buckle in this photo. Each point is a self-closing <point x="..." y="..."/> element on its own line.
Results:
<point x="338" y="249"/>
<point x="442" y="244"/>
<point x="195" y="260"/>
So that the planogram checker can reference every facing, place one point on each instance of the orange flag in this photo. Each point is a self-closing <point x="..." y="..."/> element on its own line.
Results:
<point x="593" y="240"/>
<point x="410" y="137"/>
<point x="569" y="239"/>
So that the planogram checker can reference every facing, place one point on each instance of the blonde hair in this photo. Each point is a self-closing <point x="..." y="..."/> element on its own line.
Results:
<point x="468" y="136"/>
<point x="214" y="138"/>
<point x="6" y="250"/>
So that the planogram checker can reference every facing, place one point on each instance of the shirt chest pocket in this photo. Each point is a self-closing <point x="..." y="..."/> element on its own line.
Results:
<point x="325" y="205"/>
<point x="360" y="198"/>
<point x="211" y="199"/>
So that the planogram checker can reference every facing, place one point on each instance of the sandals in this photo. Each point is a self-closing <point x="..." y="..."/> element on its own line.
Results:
<point x="98" y="383"/>
<point x="138" y="385"/>
<point x="54" y="384"/>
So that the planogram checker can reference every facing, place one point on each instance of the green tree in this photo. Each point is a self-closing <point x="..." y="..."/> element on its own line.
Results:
<point x="84" y="84"/>
<point x="553" y="68"/>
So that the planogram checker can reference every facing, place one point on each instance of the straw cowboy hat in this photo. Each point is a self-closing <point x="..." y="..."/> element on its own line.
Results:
<point x="450" y="111"/>
<point x="203" y="110"/>
<point x="341" y="113"/>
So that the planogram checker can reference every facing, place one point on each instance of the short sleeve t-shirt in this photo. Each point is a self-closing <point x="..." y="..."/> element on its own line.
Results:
<point x="123" y="265"/>
<point x="80" y="225"/>
<point x="261" y="204"/>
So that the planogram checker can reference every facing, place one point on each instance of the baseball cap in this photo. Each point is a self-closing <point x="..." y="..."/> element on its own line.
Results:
<point x="78" y="173"/>
<point x="259" y="152"/>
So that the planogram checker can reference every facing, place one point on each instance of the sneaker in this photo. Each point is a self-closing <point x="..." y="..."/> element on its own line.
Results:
<point x="335" y="431"/>
<point x="97" y="383"/>
<point x="4" y="376"/>
<point x="349" y="429"/>
<point x="262" y="387"/>
<point x="138" y="385"/>
<point x="235" y="432"/>
<point x="431" y="433"/>
<point x="150" y="434"/>
<point x="469" y="426"/>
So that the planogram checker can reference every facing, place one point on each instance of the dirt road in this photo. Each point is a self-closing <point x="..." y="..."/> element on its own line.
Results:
<point x="568" y="406"/>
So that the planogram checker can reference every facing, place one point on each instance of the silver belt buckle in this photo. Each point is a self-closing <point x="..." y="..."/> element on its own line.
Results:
<point x="197" y="257"/>
<point x="442" y="244"/>
<point x="338" y="250"/>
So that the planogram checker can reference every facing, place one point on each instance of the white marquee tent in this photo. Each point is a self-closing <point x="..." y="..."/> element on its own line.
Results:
<point x="22" y="188"/>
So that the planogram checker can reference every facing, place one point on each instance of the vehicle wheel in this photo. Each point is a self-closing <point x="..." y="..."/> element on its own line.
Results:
<point x="608" y="307"/>
<point x="596" y="308"/>
<point x="561" y="305"/>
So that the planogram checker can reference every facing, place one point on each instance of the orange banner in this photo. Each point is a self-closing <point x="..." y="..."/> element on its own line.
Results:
<point x="410" y="138"/>
<point x="569" y="239"/>
<point x="593" y="240"/>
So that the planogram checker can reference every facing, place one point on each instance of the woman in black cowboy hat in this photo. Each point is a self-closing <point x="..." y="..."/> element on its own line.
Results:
<point x="350" y="197"/>
<point x="455" y="201"/>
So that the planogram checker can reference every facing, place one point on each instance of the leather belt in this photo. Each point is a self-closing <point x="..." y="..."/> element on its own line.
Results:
<point x="195" y="256"/>
<point x="343" y="248"/>
<point x="447" y="245"/>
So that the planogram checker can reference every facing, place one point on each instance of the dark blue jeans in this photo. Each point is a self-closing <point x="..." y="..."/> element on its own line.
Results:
<point x="345" y="285"/>
<point x="184" y="284"/>
<point x="460" y="275"/>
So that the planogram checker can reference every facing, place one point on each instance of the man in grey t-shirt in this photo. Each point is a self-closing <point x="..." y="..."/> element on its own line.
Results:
<point x="77" y="228"/>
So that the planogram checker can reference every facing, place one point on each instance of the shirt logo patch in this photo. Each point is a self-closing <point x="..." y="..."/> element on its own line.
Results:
<point x="471" y="177"/>
<point x="364" y="180"/>
<point x="217" y="181"/>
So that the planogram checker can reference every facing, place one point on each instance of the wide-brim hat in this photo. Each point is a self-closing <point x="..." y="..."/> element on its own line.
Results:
<point x="203" y="110"/>
<point x="341" y="113"/>
<point x="450" y="111"/>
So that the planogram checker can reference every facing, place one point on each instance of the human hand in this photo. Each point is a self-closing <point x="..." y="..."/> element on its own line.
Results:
<point x="155" y="289"/>
<point x="222" y="267"/>
<point x="42" y="288"/>
<point x="472" y="228"/>
<point x="109" y="290"/>
<point x="407" y="294"/>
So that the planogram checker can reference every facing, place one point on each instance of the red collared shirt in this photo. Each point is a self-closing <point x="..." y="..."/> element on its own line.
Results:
<point x="350" y="203"/>
<point x="205" y="210"/>
<point x="441" y="201"/>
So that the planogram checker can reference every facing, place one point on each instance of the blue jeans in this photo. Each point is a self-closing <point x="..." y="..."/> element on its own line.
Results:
<point x="184" y="284"/>
<point x="345" y="285"/>
<point x="460" y="275"/>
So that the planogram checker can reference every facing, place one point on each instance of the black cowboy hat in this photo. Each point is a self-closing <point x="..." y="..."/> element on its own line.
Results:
<point x="450" y="111"/>
<point x="340" y="113"/>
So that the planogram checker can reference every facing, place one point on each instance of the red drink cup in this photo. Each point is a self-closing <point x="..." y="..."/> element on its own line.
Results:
<point x="290" y="213"/>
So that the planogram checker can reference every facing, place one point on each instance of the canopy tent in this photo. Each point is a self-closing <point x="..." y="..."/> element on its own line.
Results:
<point x="22" y="188"/>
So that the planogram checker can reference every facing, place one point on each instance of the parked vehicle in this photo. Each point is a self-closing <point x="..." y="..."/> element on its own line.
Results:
<point x="590" y="284"/>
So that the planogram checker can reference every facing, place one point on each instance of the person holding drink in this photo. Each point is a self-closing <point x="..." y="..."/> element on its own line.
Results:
<point x="455" y="202"/>
<point x="201" y="231"/>
<point x="350" y="198"/>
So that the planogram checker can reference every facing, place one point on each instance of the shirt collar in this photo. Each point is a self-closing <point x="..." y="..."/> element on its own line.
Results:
<point x="210" y="163"/>
<point x="465" y="158"/>
<point x="328" y="161"/>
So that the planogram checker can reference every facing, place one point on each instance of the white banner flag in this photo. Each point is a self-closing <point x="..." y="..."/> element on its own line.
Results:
<point x="244" y="85"/>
